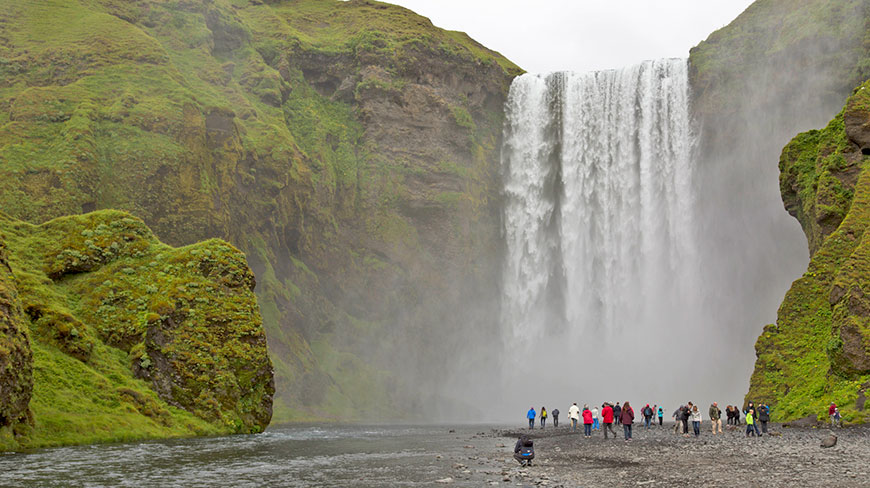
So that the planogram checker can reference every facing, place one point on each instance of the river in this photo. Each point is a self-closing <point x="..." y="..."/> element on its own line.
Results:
<point x="298" y="456"/>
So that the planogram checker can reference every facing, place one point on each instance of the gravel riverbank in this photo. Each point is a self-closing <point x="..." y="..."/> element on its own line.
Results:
<point x="792" y="456"/>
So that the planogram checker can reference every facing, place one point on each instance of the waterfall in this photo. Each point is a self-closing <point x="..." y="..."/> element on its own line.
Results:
<point x="598" y="204"/>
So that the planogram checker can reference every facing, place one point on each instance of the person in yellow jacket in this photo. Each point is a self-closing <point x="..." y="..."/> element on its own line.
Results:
<point x="750" y="422"/>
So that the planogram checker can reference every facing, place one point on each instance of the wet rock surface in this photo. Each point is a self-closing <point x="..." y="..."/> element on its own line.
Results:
<point x="791" y="456"/>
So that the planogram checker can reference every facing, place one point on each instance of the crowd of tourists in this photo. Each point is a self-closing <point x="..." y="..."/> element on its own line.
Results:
<point x="593" y="419"/>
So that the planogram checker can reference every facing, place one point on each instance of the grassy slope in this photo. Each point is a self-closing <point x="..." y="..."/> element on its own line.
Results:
<point x="91" y="287"/>
<point x="800" y="366"/>
<point x="809" y="37"/>
<point x="200" y="119"/>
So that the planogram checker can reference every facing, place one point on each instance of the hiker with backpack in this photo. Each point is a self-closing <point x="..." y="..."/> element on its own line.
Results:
<point x="764" y="417"/>
<point x="555" y="413"/>
<point x="647" y="415"/>
<point x="543" y="417"/>
<point x="524" y="451"/>
<point x="531" y="415"/>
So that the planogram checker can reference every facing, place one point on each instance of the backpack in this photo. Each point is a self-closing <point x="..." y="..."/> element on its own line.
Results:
<point x="527" y="450"/>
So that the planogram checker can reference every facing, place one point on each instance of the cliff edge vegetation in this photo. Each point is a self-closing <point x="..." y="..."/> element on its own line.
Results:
<point x="128" y="338"/>
<point x="350" y="149"/>
<point x="818" y="351"/>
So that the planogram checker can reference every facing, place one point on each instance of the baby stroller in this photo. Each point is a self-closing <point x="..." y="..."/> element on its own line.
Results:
<point x="524" y="451"/>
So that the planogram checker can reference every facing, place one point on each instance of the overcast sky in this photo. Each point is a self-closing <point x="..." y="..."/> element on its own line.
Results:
<point x="582" y="35"/>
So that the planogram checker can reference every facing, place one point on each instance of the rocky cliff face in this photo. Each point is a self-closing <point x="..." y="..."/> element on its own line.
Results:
<point x="349" y="148"/>
<point x="16" y="359"/>
<point x="819" y="349"/>
<point x="778" y="69"/>
<point x="107" y="306"/>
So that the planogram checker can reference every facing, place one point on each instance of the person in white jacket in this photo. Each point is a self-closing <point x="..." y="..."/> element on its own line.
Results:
<point x="574" y="415"/>
<point x="594" y="418"/>
<point x="696" y="420"/>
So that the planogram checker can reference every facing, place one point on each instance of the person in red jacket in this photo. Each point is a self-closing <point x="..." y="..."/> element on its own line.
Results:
<point x="831" y="411"/>
<point x="607" y="418"/>
<point x="626" y="418"/>
<point x="587" y="421"/>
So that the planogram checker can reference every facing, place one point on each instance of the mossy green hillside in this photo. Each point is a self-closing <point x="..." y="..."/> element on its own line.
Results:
<point x="133" y="338"/>
<point x="16" y="359"/>
<point x="819" y="349"/>
<point x="777" y="49"/>
<point x="349" y="148"/>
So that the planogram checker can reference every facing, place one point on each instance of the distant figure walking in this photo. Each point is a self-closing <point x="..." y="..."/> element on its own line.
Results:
<point x="661" y="414"/>
<point x="587" y="421"/>
<point x="678" y="413"/>
<point x="716" y="417"/>
<point x="531" y="414"/>
<point x="543" y="417"/>
<point x="647" y="415"/>
<point x="617" y="413"/>
<point x="627" y="418"/>
<point x="607" y="416"/>
<point x="555" y="417"/>
<point x="594" y="418"/>
<point x="524" y="451"/>
<point x="696" y="420"/>
<point x="837" y="417"/>
<point x="574" y="415"/>
<point x="750" y="422"/>
<point x="764" y="417"/>
<point x="831" y="411"/>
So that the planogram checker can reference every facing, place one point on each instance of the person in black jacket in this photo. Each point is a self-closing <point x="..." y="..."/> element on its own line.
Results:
<point x="684" y="418"/>
<point x="555" y="414"/>
<point x="764" y="417"/>
<point x="524" y="451"/>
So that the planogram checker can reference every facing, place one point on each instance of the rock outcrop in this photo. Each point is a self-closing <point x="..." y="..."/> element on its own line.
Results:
<point x="778" y="69"/>
<point x="819" y="349"/>
<point x="106" y="306"/>
<point x="16" y="359"/>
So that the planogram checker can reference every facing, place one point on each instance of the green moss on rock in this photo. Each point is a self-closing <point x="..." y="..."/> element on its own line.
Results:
<point x="819" y="349"/>
<point x="16" y="360"/>
<point x="311" y="132"/>
<point x="133" y="338"/>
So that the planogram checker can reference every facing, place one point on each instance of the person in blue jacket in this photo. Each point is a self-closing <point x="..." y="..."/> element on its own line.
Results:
<point x="531" y="414"/>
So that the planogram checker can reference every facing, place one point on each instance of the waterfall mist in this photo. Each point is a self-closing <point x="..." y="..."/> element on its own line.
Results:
<point x="602" y="282"/>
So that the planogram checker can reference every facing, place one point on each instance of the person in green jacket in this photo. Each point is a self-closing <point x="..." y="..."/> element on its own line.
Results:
<point x="750" y="422"/>
<point x="716" y="417"/>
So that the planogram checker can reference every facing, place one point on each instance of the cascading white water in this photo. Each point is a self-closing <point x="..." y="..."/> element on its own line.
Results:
<point x="598" y="209"/>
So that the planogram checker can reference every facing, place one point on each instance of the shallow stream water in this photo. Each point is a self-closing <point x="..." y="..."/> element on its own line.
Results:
<point x="304" y="456"/>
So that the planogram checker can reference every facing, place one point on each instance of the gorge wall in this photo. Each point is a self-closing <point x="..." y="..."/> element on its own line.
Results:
<point x="349" y="148"/>
<point x="818" y="351"/>
<point x="778" y="69"/>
